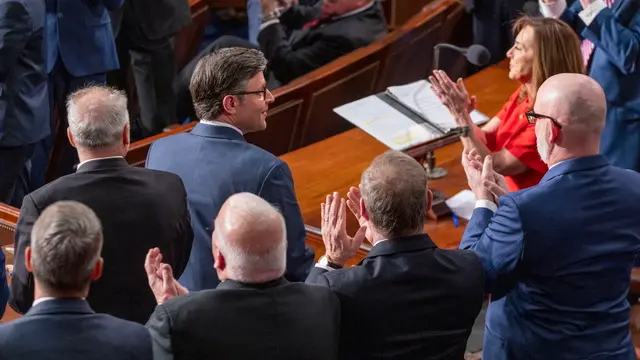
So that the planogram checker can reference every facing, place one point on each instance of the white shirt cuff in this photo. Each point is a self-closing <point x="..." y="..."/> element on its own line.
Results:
<point x="554" y="10"/>
<point x="487" y="205"/>
<point x="268" y="23"/>
<point x="587" y="15"/>
<point x="318" y="265"/>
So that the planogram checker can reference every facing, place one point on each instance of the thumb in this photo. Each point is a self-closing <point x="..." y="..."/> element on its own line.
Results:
<point x="487" y="168"/>
<point x="360" y="235"/>
<point x="167" y="277"/>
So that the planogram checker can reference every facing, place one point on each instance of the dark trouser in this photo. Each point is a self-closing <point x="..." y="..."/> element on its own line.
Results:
<point x="492" y="23"/>
<point x="181" y="85"/>
<point x="14" y="174"/>
<point x="56" y="146"/>
<point x="154" y="70"/>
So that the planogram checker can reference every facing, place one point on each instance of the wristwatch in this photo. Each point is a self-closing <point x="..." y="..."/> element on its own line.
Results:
<point x="324" y="261"/>
<point x="464" y="130"/>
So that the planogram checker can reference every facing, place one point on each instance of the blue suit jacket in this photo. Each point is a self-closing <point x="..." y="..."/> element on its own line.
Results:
<point x="214" y="163"/>
<point x="558" y="258"/>
<point x="615" y="64"/>
<point x="79" y="31"/>
<point x="24" y="102"/>
<point x="4" y="287"/>
<point x="69" y="329"/>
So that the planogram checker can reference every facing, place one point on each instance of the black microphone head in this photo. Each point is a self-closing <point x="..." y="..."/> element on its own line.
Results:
<point x="478" y="55"/>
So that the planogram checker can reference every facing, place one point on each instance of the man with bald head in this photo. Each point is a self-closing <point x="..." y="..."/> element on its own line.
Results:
<point x="254" y="313"/>
<point x="139" y="208"/>
<point x="558" y="255"/>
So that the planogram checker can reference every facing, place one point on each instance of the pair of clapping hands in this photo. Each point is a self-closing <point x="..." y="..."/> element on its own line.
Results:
<point x="340" y="247"/>
<point x="269" y="6"/>
<point x="454" y="96"/>
<point x="485" y="182"/>
<point x="584" y="3"/>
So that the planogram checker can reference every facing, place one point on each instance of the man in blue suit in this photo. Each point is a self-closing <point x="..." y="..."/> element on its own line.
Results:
<point x="24" y="105"/>
<point x="610" y="30"/>
<point x="64" y="257"/>
<point x="231" y="98"/>
<point x="558" y="256"/>
<point x="80" y="49"/>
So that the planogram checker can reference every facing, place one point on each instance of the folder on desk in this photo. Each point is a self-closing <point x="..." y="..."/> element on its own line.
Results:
<point x="403" y="116"/>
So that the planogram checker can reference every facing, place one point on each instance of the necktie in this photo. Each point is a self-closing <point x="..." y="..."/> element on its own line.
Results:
<point x="587" y="46"/>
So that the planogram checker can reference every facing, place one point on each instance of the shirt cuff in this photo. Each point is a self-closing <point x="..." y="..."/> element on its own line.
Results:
<point x="554" y="10"/>
<point x="487" y="205"/>
<point x="318" y="265"/>
<point x="590" y="12"/>
<point x="268" y="23"/>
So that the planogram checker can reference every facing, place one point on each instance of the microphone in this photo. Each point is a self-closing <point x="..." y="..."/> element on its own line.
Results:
<point x="476" y="54"/>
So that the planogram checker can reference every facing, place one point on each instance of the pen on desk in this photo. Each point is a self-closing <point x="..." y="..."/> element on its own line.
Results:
<point x="454" y="217"/>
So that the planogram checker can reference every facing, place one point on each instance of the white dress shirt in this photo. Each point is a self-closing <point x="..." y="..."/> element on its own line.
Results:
<point x="102" y="158"/>
<point x="220" y="123"/>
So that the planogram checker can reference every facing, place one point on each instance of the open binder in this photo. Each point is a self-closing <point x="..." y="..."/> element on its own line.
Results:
<point x="404" y="116"/>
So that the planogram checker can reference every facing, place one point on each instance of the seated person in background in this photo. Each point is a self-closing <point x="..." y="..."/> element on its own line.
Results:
<point x="254" y="313"/>
<point x="139" y="208"/>
<point x="215" y="161"/>
<point x="319" y="34"/>
<point x="64" y="257"/>
<point x="407" y="299"/>
<point x="558" y="255"/>
<point x="4" y="288"/>
<point x="543" y="48"/>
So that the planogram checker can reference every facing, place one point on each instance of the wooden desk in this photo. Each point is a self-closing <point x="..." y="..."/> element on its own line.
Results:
<point x="337" y="163"/>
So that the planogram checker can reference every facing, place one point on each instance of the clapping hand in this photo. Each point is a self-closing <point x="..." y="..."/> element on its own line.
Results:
<point x="485" y="182"/>
<point x="338" y="245"/>
<point x="353" y="202"/>
<point x="453" y="95"/>
<point x="160" y="275"/>
<point x="586" y="3"/>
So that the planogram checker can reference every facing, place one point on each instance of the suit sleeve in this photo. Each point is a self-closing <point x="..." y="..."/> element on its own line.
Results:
<point x="620" y="43"/>
<point x="278" y="190"/>
<point x="497" y="239"/>
<point x="112" y="5"/>
<point x="297" y="16"/>
<point x="15" y="29"/>
<point x="22" y="287"/>
<point x="288" y="64"/>
<point x="4" y="288"/>
<point x="185" y="234"/>
<point x="159" y="326"/>
<point x="316" y="277"/>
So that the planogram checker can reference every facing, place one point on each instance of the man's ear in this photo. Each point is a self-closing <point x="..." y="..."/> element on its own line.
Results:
<point x="556" y="135"/>
<point x="219" y="262"/>
<point x="70" y="137"/>
<point x="126" y="136"/>
<point x="429" y="199"/>
<point x="229" y="104"/>
<point x="363" y="210"/>
<point x="27" y="259"/>
<point x="97" y="270"/>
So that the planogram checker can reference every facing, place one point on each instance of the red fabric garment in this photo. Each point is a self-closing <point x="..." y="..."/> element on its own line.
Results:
<point x="311" y="24"/>
<point x="519" y="138"/>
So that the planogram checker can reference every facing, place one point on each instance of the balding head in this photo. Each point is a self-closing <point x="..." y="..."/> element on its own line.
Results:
<point x="249" y="241"/>
<point x="98" y="120"/>
<point x="395" y="198"/>
<point x="578" y="104"/>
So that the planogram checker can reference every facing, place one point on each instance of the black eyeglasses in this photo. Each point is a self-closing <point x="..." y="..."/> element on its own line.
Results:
<point x="263" y="93"/>
<point x="532" y="117"/>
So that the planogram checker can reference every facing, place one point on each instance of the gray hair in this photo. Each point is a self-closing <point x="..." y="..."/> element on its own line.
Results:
<point x="221" y="73"/>
<point x="66" y="242"/>
<point x="97" y="116"/>
<point x="255" y="248"/>
<point x="394" y="189"/>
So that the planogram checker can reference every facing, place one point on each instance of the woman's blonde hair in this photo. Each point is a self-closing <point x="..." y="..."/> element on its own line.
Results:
<point x="557" y="50"/>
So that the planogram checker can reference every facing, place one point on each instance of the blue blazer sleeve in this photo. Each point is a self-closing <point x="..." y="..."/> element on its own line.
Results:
<point x="15" y="29"/>
<point x="278" y="190"/>
<point x="4" y="288"/>
<point x="497" y="239"/>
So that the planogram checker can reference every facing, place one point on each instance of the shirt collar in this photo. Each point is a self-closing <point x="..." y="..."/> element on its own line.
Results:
<point x="102" y="158"/>
<point x="220" y="123"/>
<point x="356" y="11"/>
<point x="41" y="300"/>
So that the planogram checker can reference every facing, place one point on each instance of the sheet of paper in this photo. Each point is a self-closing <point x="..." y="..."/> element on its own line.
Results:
<point x="385" y="123"/>
<point x="419" y="97"/>
<point x="462" y="204"/>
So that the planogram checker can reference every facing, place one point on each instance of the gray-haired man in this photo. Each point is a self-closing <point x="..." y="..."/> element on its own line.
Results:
<point x="139" y="208"/>
<point x="64" y="258"/>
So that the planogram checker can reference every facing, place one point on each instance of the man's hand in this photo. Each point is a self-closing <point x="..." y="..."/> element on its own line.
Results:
<point x="353" y="202"/>
<point x="160" y="275"/>
<point x="476" y="174"/>
<point x="338" y="245"/>
<point x="586" y="3"/>
<point x="454" y="96"/>
<point x="498" y="186"/>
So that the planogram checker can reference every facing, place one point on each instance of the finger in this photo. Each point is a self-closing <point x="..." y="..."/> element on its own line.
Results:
<point x="359" y="236"/>
<point x="494" y="188"/>
<point x="167" y="277"/>
<point x="148" y="268"/>
<point x="333" y="212"/>
<point x="342" y="215"/>
<point x="327" y="207"/>
<point x="487" y="168"/>
<point x="476" y="164"/>
<point x="355" y="208"/>
<point x="322" y="217"/>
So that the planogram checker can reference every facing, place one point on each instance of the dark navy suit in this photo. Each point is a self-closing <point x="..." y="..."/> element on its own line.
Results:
<point x="24" y="103"/>
<point x="4" y="288"/>
<point x="80" y="49"/>
<point x="558" y="258"/>
<point x="68" y="329"/>
<point x="615" y="64"/>
<point x="220" y="163"/>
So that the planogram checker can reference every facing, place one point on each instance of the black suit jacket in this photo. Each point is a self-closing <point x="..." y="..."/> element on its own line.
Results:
<point x="24" y="102"/>
<point x="139" y="209"/>
<point x="270" y="321"/>
<point x="407" y="299"/>
<point x="308" y="49"/>
<point x="64" y="329"/>
<point x="157" y="18"/>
